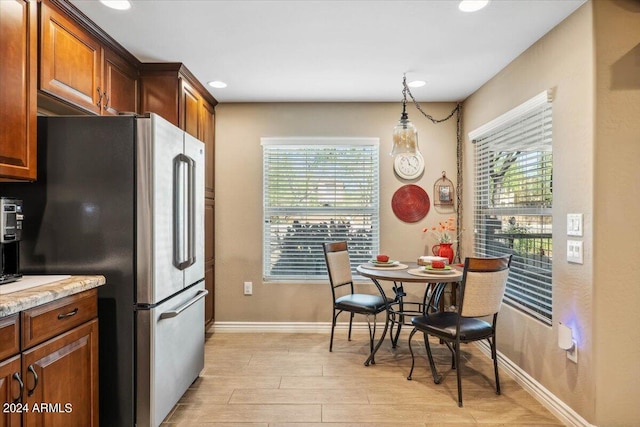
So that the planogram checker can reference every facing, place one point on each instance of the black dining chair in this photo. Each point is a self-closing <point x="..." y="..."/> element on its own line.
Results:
<point x="479" y="296"/>
<point x="336" y="255"/>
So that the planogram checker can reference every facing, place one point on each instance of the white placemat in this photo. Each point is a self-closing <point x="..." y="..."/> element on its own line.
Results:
<point x="375" y="267"/>
<point x="421" y="272"/>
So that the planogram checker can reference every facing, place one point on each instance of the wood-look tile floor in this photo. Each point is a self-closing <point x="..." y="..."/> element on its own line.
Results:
<point x="292" y="380"/>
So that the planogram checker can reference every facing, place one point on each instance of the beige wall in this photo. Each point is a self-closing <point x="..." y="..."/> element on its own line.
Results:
<point x="596" y="124"/>
<point x="239" y="196"/>
<point x="616" y="213"/>
<point x="561" y="60"/>
<point x="592" y="62"/>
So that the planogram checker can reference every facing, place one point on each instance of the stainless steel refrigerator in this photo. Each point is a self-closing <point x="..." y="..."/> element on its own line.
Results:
<point x="124" y="197"/>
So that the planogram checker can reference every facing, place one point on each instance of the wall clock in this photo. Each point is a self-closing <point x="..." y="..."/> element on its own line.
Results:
<point x="408" y="166"/>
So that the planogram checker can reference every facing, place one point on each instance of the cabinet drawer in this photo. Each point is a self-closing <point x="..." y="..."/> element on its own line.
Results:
<point x="43" y="322"/>
<point x="9" y="336"/>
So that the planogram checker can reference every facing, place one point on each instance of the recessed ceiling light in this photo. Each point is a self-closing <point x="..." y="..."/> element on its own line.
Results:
<point x="472" y="5"/>
<point x="117" y="4"/>
<point x="217" y="84"/>
<point x="417" y="83"/>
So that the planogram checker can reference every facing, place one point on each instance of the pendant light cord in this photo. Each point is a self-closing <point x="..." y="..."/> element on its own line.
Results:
<point x="459" y="153"/>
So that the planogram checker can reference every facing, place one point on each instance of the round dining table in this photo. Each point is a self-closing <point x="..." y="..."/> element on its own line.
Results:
<point x="400" y="310"/>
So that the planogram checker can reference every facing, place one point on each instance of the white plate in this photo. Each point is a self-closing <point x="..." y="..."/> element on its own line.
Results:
<point x="389" y="263"/>
<point x="446" y="270"/>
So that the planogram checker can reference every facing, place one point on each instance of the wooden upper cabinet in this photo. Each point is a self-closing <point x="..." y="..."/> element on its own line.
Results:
<point x="209" y="139"/>
<point x="120" y="83"/>
<point x="171" y="91"/>
<point x="190" y="105"/>
<point x="70" y="61"/>
<point x="77" y="68"/>
<point x="18" y="77"/>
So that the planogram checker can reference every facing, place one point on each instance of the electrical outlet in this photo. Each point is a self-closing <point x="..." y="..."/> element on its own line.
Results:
<point x="248" y="288"/>
<point x="572" y="354"/>
<point x="574" y="252"/>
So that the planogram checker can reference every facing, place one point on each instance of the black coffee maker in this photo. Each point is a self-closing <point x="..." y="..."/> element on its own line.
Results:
<point x="10" y="233"/>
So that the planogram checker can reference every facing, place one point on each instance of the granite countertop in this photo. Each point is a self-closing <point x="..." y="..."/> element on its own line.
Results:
<point x="21" y="300"/>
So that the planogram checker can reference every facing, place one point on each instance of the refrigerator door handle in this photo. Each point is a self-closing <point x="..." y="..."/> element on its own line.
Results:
<point x="182" y="234"/>
<point x="173" y="313"/>
<point x="191" y="236"/>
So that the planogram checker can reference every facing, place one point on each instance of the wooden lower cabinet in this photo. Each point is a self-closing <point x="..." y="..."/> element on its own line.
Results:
<point x="10" y="392"/>
<point x="61" y="379"/>
<point x="53" y="383"/>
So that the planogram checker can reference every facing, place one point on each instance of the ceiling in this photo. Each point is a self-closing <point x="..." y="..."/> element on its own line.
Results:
<point x="331" y="50"/>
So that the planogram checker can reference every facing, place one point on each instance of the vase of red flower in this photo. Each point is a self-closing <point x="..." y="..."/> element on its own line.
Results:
<point x="444" y="250"/>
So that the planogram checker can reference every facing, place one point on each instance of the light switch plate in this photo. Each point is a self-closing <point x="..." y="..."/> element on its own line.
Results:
<point x="574" y="224"/>
<point x="574" y="252"/>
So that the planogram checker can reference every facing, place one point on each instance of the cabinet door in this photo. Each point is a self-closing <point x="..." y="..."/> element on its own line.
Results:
<point x="62" y="375"/>
<point x="190" y="103"/>
<point x="209" y="276"/>
<point x="209" y="300"/>
<point x="10" y="392"/>
<point x="209" y="138"/>
<point x="70" y="61"/>
<point x="120" y="85"/>
<point x="18" y="74"/>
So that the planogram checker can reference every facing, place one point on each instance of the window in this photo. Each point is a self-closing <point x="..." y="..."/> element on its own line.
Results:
<point x="318" y="190"/>
<point x="513" y="201"/>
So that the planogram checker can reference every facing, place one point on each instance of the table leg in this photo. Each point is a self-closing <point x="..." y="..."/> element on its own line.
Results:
<point x="400" y="294"/>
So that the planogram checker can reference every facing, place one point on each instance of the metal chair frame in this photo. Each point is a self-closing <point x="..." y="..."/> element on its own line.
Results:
<point x="457" y="320"/>
<point x="367" y="310"/>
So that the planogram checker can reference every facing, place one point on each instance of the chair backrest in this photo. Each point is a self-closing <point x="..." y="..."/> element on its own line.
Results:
<point x="336" y="255"/>
<point x="483" y="285"/>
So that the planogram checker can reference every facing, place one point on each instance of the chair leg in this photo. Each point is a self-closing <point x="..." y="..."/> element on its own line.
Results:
<point x="333" y="326"/>
<point x="375" y="322"/>
<point x="458" y="377"/>
<point x="494" y="356"/>
<point x="436" y="378"/>
<point x="413" y="360"/>
<point x="350" y="323"/>
<point x="371" y="336"/>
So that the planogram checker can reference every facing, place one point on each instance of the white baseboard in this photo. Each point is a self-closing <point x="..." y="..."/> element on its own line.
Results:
<point x="540" y="393"/>
<point x="557" y="407"/>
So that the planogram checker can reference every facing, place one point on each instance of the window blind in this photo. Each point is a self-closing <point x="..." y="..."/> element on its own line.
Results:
<point x="316" y="191"/>
<point x="513" y="204"/>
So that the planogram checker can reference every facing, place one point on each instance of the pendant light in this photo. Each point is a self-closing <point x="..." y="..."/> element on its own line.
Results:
<point x="405" y="135"/>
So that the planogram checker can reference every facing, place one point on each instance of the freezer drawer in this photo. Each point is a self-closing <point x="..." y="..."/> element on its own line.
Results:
<point x="170" y="353"/>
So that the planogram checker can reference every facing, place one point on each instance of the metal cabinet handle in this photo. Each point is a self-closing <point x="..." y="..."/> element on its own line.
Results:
<point x="99" y="103"/>
<point x="16" y="376"/>
<point x="69" y="314"/>
<point x="173" y="313"/>
<point x="106" y="98"/>
<point x="35" y="380"/>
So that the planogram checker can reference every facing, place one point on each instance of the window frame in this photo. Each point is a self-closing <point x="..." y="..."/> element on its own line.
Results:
<point x="530" y="288"/>
<point x="366" y="146"/>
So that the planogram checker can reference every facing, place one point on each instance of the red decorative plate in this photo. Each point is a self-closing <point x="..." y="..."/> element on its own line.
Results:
<point x="410" y="203"/>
